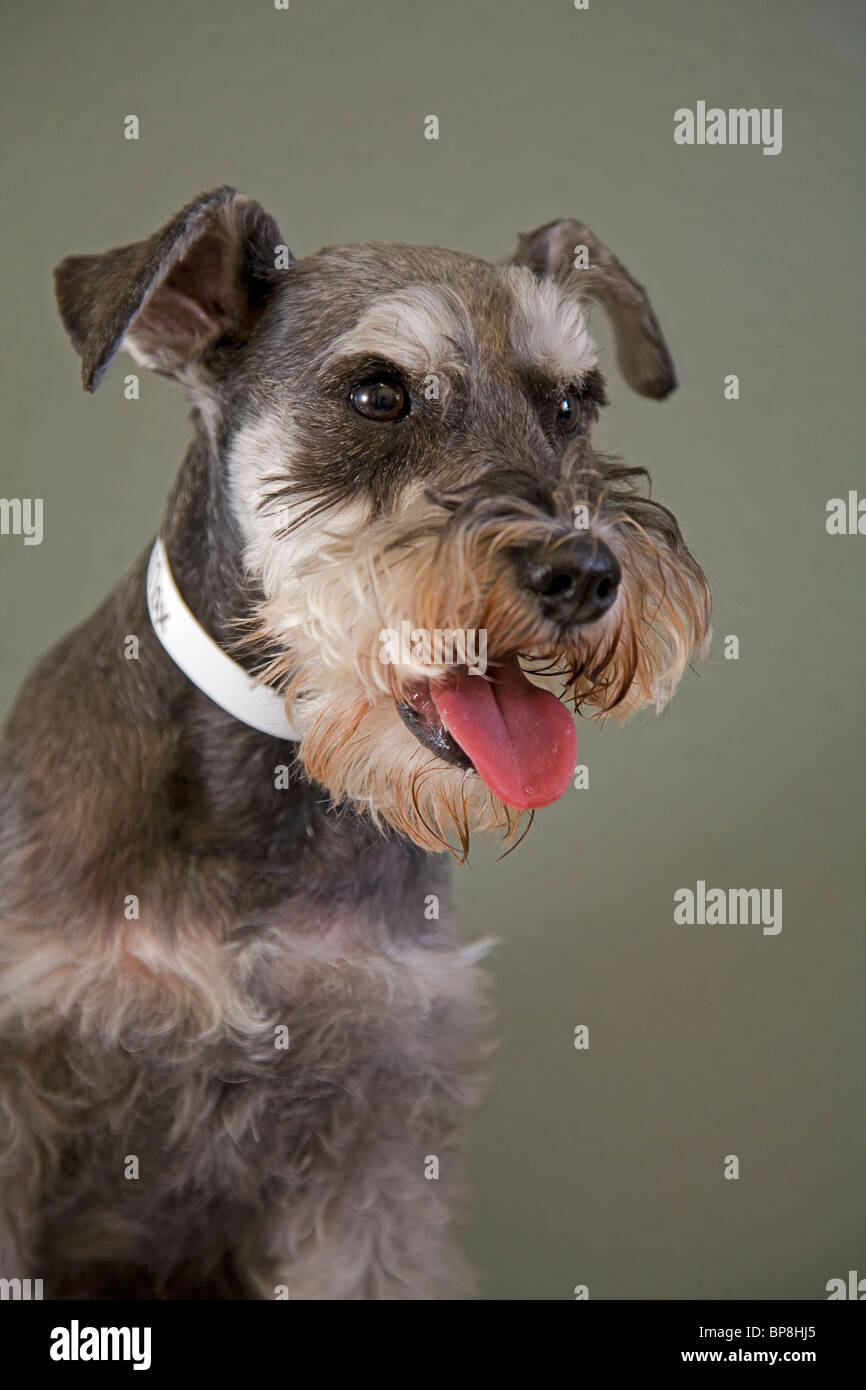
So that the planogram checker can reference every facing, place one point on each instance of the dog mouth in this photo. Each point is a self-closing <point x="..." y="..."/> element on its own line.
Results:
<point x="520" y="739"/>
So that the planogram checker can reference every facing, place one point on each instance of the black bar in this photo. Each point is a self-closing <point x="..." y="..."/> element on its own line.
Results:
<point x="280" y="1338"/>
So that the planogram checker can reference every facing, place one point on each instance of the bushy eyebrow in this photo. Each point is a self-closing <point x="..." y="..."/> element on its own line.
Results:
<point x="548" y="328"/>
<point x="592" y="387"/>
<point x="358" y="366"/>
<point x="589" y="385"/>
<point x="422" y="328"/>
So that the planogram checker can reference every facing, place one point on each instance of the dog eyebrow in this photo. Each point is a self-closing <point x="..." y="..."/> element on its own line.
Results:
<point x="548" y="327"/>
<point x="589" y="385"/>
<point x="592" y="387"/>
<point x="422" y="328"/>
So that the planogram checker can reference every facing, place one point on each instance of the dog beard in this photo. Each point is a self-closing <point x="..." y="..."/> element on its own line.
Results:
<point x="437" y="751"/>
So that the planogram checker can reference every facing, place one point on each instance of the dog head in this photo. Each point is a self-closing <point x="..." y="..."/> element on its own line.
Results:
<point x="441" y="561"/>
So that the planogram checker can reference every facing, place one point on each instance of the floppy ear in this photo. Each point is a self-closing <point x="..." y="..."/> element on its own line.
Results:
<point x="641" y="349"/>
<point x="204" y="277"/>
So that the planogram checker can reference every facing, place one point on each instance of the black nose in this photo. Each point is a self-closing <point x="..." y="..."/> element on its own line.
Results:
<point x="575" y="582"/>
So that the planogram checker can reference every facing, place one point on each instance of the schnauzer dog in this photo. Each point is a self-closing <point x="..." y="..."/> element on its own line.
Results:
<point x="239" y="1032"/>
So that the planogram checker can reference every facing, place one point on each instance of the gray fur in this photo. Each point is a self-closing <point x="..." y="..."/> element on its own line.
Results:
<point x="259" y="908"/>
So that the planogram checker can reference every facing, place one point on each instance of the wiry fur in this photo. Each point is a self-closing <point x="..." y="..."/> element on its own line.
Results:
<point x="315" y="902"/>
<point x="444" y="560"/>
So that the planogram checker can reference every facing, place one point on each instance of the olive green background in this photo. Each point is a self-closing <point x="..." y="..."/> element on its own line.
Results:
<point x="602" y="1167"/>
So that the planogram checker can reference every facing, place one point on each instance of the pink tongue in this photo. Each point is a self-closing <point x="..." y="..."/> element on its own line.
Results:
<point x="521" y="739"/>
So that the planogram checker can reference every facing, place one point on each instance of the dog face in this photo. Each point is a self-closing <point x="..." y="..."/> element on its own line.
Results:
<point x="441" y="558"/>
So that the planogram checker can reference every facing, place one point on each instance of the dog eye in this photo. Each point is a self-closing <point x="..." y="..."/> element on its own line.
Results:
<point x="382" y="399"/>
<point x="568" y="414"/>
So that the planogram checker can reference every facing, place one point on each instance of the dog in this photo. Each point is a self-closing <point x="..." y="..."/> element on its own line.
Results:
<point x="240" y="1034"/>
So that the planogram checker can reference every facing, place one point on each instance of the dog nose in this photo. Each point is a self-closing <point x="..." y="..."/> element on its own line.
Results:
<point x="575" y="582"/>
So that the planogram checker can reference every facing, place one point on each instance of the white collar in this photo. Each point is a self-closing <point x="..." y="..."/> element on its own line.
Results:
<point x="203" y="660"/>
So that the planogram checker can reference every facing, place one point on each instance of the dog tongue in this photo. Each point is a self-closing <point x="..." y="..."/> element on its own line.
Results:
<point x="521" y="739"/>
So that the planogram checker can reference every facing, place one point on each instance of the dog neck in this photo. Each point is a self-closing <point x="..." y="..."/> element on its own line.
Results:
<point x="204" y="661"/>
<point x="197" y="592"/>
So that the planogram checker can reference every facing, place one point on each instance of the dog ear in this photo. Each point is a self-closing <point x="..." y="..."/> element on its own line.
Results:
<point x="202" y="278"/>
<point x="642" y="352"/>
